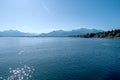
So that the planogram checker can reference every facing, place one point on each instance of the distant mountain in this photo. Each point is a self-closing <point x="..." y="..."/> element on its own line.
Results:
<point x="59" y="33"/>
<point x="105" y="34"/>
<point x="15" y="33"/>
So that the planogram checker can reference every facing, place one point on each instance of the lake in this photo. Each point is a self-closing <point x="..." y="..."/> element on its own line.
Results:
<point x="59" y="58"/>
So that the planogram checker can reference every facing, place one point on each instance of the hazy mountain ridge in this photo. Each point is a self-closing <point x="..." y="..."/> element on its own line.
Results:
<point x="72" y="32"/>
<point x="56" y="33"/>
<point x="15" y="33"/>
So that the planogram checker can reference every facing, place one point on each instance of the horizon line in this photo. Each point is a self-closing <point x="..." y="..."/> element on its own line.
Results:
<point x="53" y="30"/>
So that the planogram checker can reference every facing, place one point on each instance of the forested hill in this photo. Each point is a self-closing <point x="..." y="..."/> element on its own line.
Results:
<point x="105" y="34"/>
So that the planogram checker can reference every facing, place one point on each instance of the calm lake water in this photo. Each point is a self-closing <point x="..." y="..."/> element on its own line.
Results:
<point x="49" y="58"/>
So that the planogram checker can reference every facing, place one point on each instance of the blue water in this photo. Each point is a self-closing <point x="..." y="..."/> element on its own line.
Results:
<point x="50" y="58"/>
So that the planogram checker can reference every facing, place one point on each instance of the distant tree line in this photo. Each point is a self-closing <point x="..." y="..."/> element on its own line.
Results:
<point x="106" y="34"/>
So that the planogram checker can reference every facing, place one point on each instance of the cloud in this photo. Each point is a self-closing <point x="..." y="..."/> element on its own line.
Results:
<point x="46" y="8"/>
<point x="52" y="29"/>
<point x="25" y="27"/>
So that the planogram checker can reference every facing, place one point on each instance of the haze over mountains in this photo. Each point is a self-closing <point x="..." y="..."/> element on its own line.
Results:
<point x="56" y="33"/>
<point x="15" y="33"/>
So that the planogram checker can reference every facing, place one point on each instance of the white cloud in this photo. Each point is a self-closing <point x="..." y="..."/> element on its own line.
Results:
<point x="52" y="29"/>
<point x="46" y="8"/>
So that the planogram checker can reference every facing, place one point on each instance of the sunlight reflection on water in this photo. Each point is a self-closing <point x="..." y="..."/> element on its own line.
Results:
<point x="24" y="73"/>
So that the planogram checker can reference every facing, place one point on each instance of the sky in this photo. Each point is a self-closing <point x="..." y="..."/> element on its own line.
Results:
<point x="38" y="16"/>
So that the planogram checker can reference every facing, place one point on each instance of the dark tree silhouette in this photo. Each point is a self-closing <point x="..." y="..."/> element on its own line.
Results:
<point x="107" y="34"/>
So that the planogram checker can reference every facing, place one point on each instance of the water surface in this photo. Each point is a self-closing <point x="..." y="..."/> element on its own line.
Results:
<point x="50" y="58"/>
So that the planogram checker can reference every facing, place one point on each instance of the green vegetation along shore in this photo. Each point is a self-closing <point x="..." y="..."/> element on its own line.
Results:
<point x="106" y="34"/>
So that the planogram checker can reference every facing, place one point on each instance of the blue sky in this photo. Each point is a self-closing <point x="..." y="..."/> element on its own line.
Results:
<point x="39" y="16"/>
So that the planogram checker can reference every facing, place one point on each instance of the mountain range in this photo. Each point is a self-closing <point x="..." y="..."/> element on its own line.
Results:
<point x="62" y="33"/>
<point x="57" y="33"/>
<point x="16" y="33"/>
